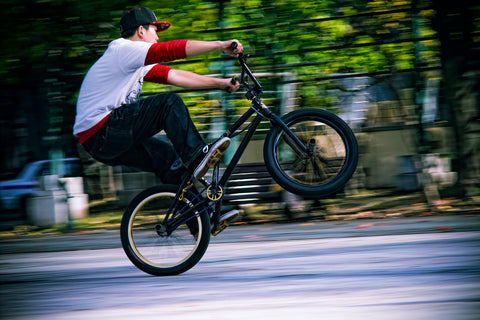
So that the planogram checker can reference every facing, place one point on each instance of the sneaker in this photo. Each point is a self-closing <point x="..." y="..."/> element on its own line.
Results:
<point x="210" y="156"/>
<point x="176" y="174"/>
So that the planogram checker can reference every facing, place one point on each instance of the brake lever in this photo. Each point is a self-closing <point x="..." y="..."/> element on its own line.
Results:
<point x="242" y="58"/>
<point x="234" y="80"/>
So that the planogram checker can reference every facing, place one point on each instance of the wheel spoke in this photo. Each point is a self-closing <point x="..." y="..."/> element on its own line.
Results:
<point x="152" y="246"/>
<point x="326" y="165"/>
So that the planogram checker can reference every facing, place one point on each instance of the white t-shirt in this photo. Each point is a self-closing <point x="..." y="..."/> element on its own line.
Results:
<point x="114" y="80"/>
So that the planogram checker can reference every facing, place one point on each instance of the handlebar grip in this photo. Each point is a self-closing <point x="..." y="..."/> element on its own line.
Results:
<point x="234" y="45"/>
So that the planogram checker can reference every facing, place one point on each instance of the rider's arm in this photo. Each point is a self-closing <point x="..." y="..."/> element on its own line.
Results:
<point x="195" y="48"/>
<point x="181" y="49"/>
<point x="190" y="80"/>
<point x="166" y="51"/>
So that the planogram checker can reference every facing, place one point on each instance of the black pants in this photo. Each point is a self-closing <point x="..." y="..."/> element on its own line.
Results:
<point x="128" y="136"/>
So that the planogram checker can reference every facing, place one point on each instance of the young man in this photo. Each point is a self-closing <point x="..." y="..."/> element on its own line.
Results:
<point x="116" y="128"/>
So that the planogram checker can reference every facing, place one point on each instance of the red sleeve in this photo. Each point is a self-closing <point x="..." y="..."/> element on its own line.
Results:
<point x="158" y="74"/>
<point x="166" y="51"/>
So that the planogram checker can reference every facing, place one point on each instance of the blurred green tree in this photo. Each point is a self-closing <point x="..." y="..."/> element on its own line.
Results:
<point x="48" y="46"/>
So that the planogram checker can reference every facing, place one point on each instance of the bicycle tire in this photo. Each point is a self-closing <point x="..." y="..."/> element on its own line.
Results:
<point x="161" y="254"/>
<point x="333" y="153"/>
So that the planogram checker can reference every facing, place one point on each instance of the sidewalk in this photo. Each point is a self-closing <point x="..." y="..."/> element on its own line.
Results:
<point x="363" y="211"/>
<point x="110" y="239"/>
<point x="368" y="205"/>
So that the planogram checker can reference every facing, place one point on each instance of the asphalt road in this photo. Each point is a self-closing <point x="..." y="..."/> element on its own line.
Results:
<point x="414" y="268"/>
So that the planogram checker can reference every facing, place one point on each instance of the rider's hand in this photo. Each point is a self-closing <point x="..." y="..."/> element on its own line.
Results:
<point x="232" y="52"/>
<point x="229" y="86"/>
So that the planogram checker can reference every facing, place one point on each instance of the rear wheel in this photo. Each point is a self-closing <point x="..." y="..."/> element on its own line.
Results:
<point x="330" y="158"/>
<point x="153" y="244"/>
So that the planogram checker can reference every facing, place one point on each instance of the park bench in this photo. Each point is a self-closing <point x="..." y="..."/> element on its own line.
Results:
<point x="251" y="183"/>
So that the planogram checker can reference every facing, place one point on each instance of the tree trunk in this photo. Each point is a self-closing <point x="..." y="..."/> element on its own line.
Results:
<point x="461" y="84"/>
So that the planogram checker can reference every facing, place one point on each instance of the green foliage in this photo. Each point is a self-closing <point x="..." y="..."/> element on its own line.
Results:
<point x="61" y="39"/>
<point x="284" y="30"/>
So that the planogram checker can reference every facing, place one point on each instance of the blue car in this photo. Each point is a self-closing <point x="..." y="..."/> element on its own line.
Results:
<point x="14" y="193"/>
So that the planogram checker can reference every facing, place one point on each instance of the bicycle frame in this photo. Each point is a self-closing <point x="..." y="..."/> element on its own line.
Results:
<point x="185" y="213"/>
<point x="253" y="93"/>
<point x="166" y="229"/>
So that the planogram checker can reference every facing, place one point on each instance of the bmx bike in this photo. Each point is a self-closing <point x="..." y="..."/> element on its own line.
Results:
<point x="166" y="229"/>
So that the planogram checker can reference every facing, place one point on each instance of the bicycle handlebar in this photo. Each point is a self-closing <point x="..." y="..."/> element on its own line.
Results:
<point x="253" y="91"/>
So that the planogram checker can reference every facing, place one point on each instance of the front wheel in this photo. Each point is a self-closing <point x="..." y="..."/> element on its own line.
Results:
<point x="161" y="246"/>
<point x="323" y="164"/>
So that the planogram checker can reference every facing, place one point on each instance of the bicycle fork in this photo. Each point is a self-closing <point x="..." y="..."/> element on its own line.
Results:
<point x="295" y="143"/>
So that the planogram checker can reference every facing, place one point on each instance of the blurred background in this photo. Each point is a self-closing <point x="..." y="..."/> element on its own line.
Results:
<point x="404" y="74"/>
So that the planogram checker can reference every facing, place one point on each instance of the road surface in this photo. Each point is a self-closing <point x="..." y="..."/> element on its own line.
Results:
<point x="418" y="268"/>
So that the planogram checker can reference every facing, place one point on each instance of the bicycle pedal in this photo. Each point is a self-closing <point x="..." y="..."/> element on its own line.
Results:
<point x="222" y="226"/>
<point x="226" y="218"/>
<point x="214" y="158"/>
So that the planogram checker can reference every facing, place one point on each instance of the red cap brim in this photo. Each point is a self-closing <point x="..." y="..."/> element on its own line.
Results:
<point x="161" y="25"/>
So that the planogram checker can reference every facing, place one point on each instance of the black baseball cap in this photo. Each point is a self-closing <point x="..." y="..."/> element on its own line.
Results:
<point x="139" y="16"/>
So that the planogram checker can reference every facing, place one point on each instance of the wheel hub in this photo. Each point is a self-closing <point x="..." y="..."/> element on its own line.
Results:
<point x="161" y="230"/>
